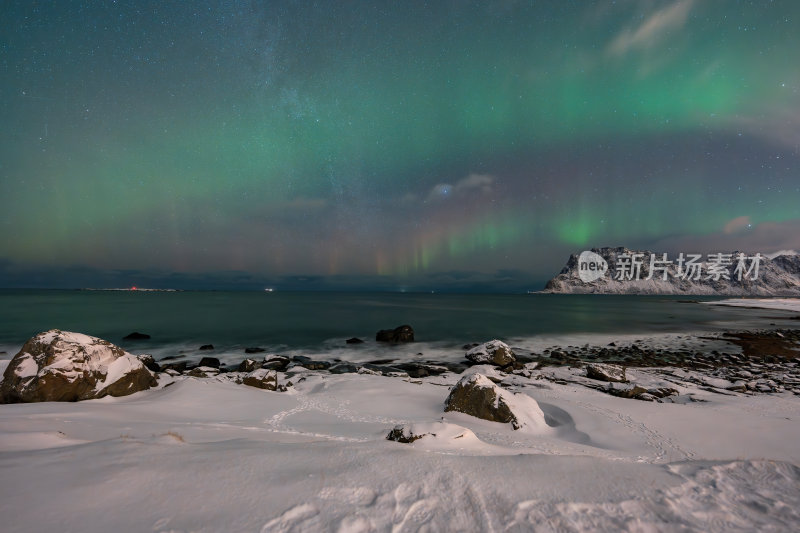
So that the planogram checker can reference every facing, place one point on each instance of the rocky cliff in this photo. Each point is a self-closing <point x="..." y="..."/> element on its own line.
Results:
<point x="624" y="271"/>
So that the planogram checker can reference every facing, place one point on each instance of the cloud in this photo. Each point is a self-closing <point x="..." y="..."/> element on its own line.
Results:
<point x="652" y="29"/>
<point x="737" y="224"/>
<point x="474" y="183"/>
<point x="777" y="123"/>
<point x="765" y="238"/>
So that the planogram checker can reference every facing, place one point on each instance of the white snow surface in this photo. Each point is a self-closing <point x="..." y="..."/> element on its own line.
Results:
<point x="207" y="455"/>
<point x="784" y="304"/>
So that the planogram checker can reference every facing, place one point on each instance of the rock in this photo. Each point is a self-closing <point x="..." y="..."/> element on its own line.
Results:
<point x="213" y="362"/>
<point x="627" y="392"/>
<point x="63" y="366"/>
<point x="354" y="340"/>
<point x="455" y="368"/>
<point x="255" y="349"/>
<point x="399" y="334"/>
<point x="476" y="395"/>
<point x="404" y="434"/>
<point x="606" y="372"/>
<point x="262" y="378"/>
<point x="493" y="352"/>
<point x="390" y="371"/>
<point x="136" y="336"/>
<point x="207" y="347"/>
<point x="150" y="362"/>
<point x="343" y="368"/>
<point x="203" y="372"/>
<point x="441" y="433"/>
<point x="276" y="362"/>
<point x="179" y="367"/>
<point x="414" y="370"/>
<point x="310" y="364"/>
<point x="248" y="365"/>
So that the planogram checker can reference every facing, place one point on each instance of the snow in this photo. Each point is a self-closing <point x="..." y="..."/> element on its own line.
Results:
<point x="784" y="304"/>
<point x="210" y="455"/>
<point x="780" y="253"/>
<point x="27" y="367"/>
<point x="118" y="369"/>
<point x="484" y="353"/>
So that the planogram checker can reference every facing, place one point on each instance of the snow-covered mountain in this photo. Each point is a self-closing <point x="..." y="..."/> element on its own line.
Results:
<point x="627" y="272"/>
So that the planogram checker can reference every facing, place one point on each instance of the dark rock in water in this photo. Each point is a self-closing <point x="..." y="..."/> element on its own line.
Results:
<point x="136" y="336"/>
<point x="493" y="352"/>
<point x="262" y="378"/>
<point x="255" y="349"/>
<point x="213" y="362"/>
<point x="171" y="357"/>
<point x="207" y="347"/>
<point x="470" y="345"/>
<point x="477" y="396"/>
<point x="354" y="340"/>
<point x="150" y="362"/>
<point x="399" y="334"/>
<point x="276" y="362"/>
<point x="403" y="434"/>
<point x="605" y="372"/>
<point x="248" y="365"/>
<point x="343" y="368"/>
<point x="68" y="367"/>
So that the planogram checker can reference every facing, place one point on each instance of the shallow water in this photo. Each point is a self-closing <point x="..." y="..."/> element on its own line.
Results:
<point x="318" y="323"/>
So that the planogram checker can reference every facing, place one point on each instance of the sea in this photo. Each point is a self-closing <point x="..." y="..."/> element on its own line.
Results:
<point x="317" y="324"/>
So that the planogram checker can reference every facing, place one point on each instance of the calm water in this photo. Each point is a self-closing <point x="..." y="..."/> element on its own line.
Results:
<point x="318" y="323"/>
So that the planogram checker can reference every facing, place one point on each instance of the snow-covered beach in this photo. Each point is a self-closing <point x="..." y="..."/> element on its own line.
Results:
<point x="716" y="452"/>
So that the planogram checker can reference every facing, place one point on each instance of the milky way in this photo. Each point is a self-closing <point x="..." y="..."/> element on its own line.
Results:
<point x="385" y="144"/>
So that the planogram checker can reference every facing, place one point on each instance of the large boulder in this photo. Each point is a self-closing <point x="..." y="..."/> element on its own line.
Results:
<point x="493" y="353"/>
<point x="476" y="395"/>
<point x="399" y="334"/>
<point x="61" y="366"/>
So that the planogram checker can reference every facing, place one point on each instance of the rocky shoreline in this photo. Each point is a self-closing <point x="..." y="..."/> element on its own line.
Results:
<point x="755" y="362"/>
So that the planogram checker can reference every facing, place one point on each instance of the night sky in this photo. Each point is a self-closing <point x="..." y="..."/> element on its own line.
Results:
<point x="444" y="145"/>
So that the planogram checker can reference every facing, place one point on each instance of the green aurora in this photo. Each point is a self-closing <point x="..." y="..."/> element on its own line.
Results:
<point x="374" y="139"/>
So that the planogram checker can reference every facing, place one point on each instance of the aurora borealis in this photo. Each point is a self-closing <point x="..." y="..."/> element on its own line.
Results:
<point x="400" y="145"/>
